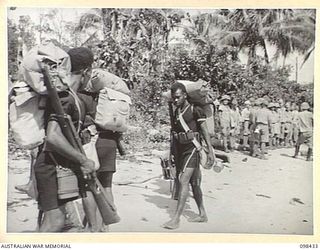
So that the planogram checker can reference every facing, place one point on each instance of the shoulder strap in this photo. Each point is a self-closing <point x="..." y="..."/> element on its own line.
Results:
<point x="186" y="129"/>
<point x="77" y="103"/>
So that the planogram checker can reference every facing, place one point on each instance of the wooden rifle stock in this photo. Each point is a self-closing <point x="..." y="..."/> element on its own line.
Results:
<point x="106" y="207"/>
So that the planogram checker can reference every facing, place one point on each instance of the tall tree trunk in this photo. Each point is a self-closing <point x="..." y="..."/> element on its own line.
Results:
<point x="106" y="22"/>
<point x="251" y="56"/>
<point x="114" y="19"/>
<point x="266" y="57"/>
<point x="284" y="62"/>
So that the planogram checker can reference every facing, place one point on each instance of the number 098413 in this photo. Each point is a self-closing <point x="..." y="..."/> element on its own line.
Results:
<point x="308" y="246"/>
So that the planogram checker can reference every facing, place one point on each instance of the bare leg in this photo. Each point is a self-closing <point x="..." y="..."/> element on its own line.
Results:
<point x="232" y="142"/>
<point x="245" y="136"/>
<point x="183" y="195"/>
<point x="251" y="144"/>
<point x="309" y="154"/>
<point x="263" y="150"/>
<point x="245" y="141"/>
<point x="106" y="181"/>
<point x="225" y="143"/>
<point x="255" y="149"/>
<point x="197" y="194"/>
<point x="296" y="150"/>
<point x="90" y="208"/>
<point x="286" y="139"/>
<point x="271" y="142"/>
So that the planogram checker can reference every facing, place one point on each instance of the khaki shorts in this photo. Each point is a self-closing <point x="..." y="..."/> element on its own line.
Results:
<point x="264" y="132"/>
<point x="246" y="130"/>
<point x="225" y="130"/>
<point x="307" y="138"/>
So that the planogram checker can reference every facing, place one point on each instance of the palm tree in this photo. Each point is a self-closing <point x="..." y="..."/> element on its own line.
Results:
<point x="247" y="30"/>
<point x="294" y="34"/>
<point x="203" y="31"/>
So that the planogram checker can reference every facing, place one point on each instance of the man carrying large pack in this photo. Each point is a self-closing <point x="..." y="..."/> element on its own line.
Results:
<point x="62" y="170"/>
<point x="58" y="150"/>
<point x="110" y="111"/>
<point x="188" y="123"/>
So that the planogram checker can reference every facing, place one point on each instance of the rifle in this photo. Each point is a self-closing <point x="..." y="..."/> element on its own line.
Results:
<point x="106" y="208"/>
<point x="175" y="189"/>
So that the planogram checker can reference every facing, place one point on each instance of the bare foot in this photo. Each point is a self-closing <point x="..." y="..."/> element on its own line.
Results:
<point x="171" y="224"/>
<point x="199" y="219"/>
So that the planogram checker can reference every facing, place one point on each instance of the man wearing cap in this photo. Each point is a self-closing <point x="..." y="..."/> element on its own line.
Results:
<point x="288" y="125"/>
<point x="295" y="121"/>
<point x="263" y="122"/>
<point x="225" y="120"/>
<point x="272" y="138"/>
<point x="281" y="112"/>
<point x="245" y="114"/>
<point x="254" y="138"/>
<point x="305" y="125"/>
<point x="235" y="123"/>
<point x="277" y="125"/>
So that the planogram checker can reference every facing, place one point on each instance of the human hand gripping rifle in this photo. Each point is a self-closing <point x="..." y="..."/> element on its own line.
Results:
<point x="106" y="207"/>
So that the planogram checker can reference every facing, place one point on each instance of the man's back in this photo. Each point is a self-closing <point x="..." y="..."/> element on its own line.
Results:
<point x="273" y="117"/>
<point x="235" y="117"/>
<point x="225" y="113"/>
<point x="305" y="121"/>
<point x="263" y="116"/>
<point x="245" y="114"/>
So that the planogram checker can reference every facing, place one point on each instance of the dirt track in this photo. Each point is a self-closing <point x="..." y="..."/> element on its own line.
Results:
<point x="248" y="196"/>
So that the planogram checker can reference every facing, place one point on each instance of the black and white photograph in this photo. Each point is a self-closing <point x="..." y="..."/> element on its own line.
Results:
<point x="160" y="120"/>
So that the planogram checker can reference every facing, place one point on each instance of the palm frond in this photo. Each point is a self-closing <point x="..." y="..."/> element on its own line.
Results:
<point x="230" y="37"/>
<point x="306" y="57"/>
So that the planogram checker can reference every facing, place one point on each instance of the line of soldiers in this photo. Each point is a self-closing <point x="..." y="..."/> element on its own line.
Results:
<point x="261" y="123"/>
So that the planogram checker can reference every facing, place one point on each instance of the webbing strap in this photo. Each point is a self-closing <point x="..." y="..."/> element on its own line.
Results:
<point x="186" y="129"/>
<point x="77" y="102"/>
<point x="187" y="162"/>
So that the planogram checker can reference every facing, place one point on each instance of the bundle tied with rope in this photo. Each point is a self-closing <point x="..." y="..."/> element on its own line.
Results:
<point x="29" y="94"/>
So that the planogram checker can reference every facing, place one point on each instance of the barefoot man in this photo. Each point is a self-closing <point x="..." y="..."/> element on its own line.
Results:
<point x="187" y="156"/>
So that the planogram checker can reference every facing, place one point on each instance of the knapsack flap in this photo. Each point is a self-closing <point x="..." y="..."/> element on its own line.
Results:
<point x="101" y="78"/>
<point x="116" y="95"/>
<point x="59" y="67"/>
<point x="113" y="110"/>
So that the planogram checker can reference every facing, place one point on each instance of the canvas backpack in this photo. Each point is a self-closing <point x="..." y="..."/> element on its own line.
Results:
<point x="101" y="78"/>
<point x="26" y="117"/>
<point x="59" y="67"/>
<point x="28" y="96"/>
<point x="198" y="94"/>
<point x="112" y="112"/>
